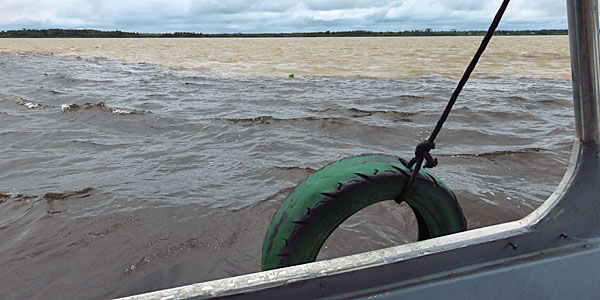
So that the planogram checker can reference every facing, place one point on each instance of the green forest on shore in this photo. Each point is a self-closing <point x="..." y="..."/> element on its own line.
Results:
<point x="92" y="33"/>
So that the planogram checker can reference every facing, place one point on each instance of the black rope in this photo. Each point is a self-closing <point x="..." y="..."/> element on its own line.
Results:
<point x="422" y="150"/>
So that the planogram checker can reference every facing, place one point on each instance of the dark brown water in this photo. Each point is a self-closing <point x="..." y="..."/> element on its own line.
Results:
<point x="120" y="179"/>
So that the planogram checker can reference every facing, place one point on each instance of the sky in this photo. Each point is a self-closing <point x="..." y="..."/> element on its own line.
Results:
<point x="250" y="16"/>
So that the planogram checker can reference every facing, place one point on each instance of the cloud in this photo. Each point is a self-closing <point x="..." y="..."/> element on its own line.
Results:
<point x="212" y="16"/>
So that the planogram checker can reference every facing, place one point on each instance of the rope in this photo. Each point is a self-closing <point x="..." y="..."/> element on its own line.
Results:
<point x="422" y="149"/>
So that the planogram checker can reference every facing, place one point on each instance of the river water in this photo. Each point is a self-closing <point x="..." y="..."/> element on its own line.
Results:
<point x="131" y="165"/>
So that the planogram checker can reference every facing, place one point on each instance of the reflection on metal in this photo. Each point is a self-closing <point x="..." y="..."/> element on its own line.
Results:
<point x="583" y="39"/>
<point x="553" y="253"/>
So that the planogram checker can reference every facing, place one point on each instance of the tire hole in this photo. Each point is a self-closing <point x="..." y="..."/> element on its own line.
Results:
<point x="381" y="225"/>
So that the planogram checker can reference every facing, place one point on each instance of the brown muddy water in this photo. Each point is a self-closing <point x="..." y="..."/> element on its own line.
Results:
<point x="135" y="165"/>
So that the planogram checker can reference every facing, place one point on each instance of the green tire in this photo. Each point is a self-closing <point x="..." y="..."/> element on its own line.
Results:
<point x="326" y="198"/>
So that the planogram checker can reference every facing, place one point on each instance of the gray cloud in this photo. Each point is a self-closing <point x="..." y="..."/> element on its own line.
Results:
<point x="213" y="16"/>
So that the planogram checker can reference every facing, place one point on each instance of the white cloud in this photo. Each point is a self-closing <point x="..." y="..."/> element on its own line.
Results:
<point x="277" y="15"/>
<point x="330" y="14"/>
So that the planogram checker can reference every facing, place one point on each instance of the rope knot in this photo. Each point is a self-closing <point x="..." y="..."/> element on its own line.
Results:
<point x="422" y="153"/>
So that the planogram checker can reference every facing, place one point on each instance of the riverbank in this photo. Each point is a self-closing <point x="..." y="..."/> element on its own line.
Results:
<point x="92" y="33"/>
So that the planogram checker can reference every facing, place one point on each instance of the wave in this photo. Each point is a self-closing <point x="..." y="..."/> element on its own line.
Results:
<point x="4" y="197"/>
<point x="255" y="119"/>
<point x="76" y="107"/>
<point x="306" y="169"/>
<point x="15" y="197"/>
<point x="343" y="115"/>
<point x="33" y="105"/>
<point x="365" y="112"/>
<point x="552" y="56"/>
<point x="102" y="106"/>
<point x="77" y="194"/>
<point x="498" y="153"/>
<point x="89" y="143"/>
<point x="50" y="196"/>
<point x="359" y="112"/>
<point x="267" y="119"/>
<point x="55" y="92"/>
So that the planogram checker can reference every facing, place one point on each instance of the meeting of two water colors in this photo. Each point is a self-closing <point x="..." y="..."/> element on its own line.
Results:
<point x="135" y="165"/>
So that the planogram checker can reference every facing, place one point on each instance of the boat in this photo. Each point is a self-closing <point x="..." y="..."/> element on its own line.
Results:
<point x="552" y="253"/>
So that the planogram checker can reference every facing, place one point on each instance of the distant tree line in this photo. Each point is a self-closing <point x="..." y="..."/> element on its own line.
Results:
<point x="92" y="33"/>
